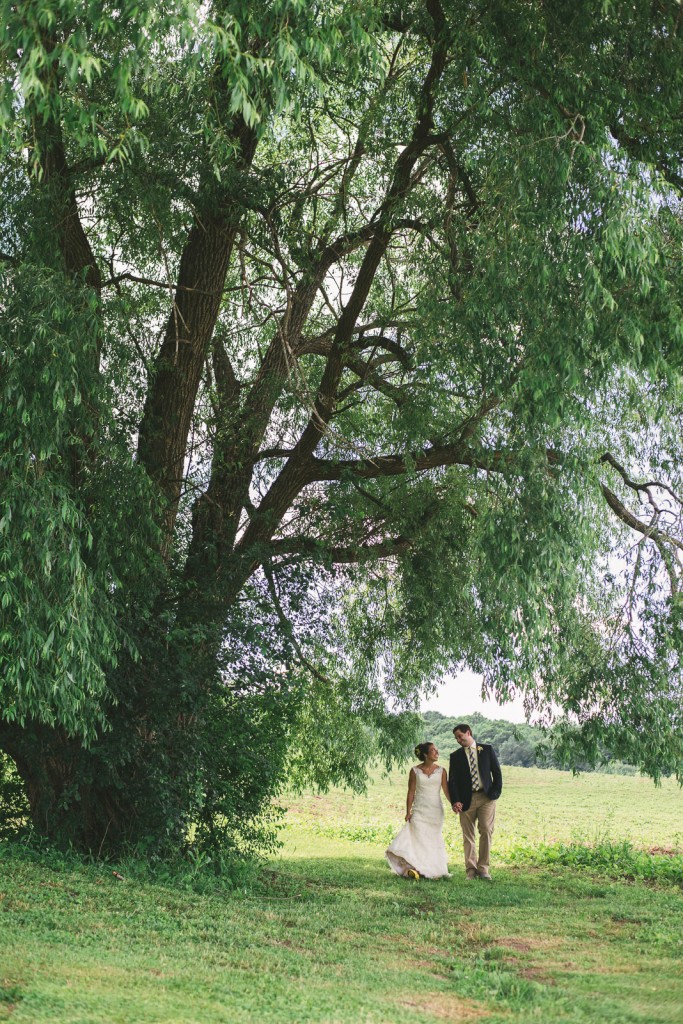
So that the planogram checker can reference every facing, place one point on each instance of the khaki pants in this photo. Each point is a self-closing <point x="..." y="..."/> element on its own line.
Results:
<point x="482" y="810"/>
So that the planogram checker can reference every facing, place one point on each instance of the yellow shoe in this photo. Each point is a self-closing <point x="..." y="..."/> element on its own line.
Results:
<point x="412" y="873"/>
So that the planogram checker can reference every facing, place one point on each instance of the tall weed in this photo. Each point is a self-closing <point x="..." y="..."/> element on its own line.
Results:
<point x="617" y="860"/>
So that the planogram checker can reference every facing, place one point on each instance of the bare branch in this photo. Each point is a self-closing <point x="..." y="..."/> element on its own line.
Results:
<point x="289" y="629"/>
<point x="634" y="484"/>
<point x="650" y="532"/>
<point x="165" y="285"/>
<point x="340" y="555"/>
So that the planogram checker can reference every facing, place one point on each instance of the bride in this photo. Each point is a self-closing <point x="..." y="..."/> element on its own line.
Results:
<point x="419" y="850"/>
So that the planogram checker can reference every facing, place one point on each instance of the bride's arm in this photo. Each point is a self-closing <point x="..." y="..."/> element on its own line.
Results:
<point x="411" y="794"/>
<point x="444" y="785"/>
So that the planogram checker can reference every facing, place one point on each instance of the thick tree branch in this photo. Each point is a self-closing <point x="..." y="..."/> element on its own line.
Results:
<point x="496" y="461"/>
<point x="366" y="369"/>
<point x="321" y="344"/>
<point x="210" y="532"/>
<point x="79" y="258"/>
<point x="247" y="430"/>
<point x="273" y="453"/>
<point x="366" y="373"/>
<point x="376" y="341"/>
<point x="459" y="173"/>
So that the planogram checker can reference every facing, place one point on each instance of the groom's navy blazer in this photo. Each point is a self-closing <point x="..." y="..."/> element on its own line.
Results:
<point x="460" y="780"/>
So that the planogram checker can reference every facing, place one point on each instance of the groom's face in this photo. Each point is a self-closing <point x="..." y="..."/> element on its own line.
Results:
<point x="463" y="738"/>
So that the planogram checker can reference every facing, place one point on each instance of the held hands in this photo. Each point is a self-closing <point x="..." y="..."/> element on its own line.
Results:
<point x="457" y="807"/>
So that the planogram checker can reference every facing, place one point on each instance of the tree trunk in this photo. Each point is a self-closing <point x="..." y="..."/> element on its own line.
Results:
<point x="131" y="784"/>
<point x="172" y="393"/>
<point x="89" y="815"/>
<point x="171" y="398"/>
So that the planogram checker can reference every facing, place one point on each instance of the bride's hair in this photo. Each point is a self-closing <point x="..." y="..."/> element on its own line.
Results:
<point x="421" y="750"/>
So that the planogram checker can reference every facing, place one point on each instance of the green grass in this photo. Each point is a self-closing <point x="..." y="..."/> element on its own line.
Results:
<point x="537" y="806"/>
<point x="325" y="934"/>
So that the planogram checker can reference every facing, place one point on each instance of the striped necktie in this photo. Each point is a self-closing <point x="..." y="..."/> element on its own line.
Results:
<point x="474" y="770"/>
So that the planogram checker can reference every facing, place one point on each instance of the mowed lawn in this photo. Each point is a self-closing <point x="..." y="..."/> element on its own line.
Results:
<point x="326" y="934"/>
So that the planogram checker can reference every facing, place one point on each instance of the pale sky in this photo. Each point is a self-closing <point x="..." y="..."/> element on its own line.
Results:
<point x="458" y="696"/>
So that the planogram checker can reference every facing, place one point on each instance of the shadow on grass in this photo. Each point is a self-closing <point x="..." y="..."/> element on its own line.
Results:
<point x="370" y="878"/>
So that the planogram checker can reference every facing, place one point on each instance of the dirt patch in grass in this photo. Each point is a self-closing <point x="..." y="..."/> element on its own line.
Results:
<point x="398" y="941"/>
<point x="625" y="969"/>
<point x="469" y="933"/>
<point x="420" y="957"/>
<point x="426" y="966"/>
<point x="523" y="945"/>
<point x="536" y="974"/>
<point x="437" y="967"/>
<point x="446" y="1007"/>
<point x="473" y="932"/>
<point x="528" y="944"/>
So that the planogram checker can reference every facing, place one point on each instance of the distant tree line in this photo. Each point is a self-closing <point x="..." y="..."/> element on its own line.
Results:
<point x="526" y="746"/>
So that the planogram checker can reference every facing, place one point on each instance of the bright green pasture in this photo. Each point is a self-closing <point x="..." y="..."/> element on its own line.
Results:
<point x="325" y="934"/>
<point x="537" y="805"/>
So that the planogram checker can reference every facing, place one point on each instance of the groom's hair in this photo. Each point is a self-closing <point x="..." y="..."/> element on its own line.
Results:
<point x="463" y="727"/>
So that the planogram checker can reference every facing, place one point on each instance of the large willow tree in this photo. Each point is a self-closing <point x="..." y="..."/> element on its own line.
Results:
<point x="341" y="345"/>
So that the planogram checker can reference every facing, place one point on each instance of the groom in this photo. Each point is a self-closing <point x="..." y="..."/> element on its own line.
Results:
<point x="474" y="783"/>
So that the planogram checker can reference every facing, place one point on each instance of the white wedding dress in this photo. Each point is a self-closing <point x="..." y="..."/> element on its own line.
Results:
<point x="419" y="844"/>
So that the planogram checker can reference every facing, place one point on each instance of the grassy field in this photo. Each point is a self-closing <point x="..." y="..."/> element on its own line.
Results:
<point x="537" y="806"/>
<point x="325" y="934"/>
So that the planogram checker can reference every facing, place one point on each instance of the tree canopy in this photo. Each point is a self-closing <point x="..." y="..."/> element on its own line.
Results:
<point x="341" y="346"/>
